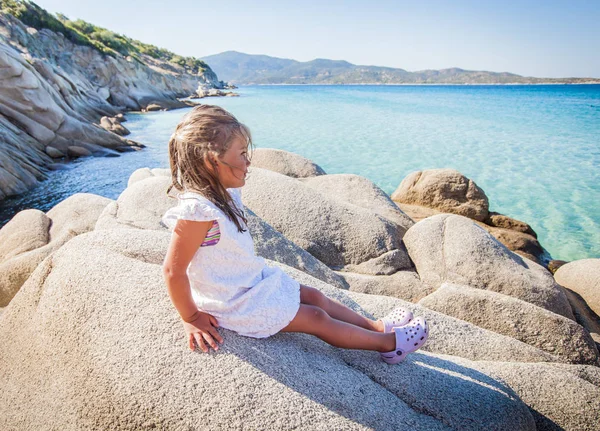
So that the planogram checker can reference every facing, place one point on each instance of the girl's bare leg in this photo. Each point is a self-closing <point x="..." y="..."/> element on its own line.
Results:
<point x="314" y="320"/>
<point x="311" y="296"/>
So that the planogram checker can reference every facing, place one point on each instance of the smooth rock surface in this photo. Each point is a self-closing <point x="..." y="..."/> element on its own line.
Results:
<point x="583" y="277"/>
<point x="272" y="245"/>
<point x="75" y="151"/>
<point x="49" y="98"/>
<point x="518" y="319"/>
<point x="449" y="335"/>
<point x="285" y="162"/>
<point x="452" y="248"/>
<point x="445" y="190"/>
<point x="335" y="232"/>
<point x="362" y="192"/>
<point x="143" y="173"/>
<point x="405" y="285"/>
<point x="106" y="339"/>
<point x="32" y="235"/>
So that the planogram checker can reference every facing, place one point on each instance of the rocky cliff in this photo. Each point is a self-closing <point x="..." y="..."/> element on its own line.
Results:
<point x="54" y="92"/>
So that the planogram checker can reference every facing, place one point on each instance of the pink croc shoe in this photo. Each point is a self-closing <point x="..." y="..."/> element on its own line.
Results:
<point x="398" y="317"/>
<point x="409" y="339"/>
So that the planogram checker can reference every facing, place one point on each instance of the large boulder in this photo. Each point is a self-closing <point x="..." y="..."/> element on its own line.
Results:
<point x="31" y="236"/>
<point x="113" y="124"/>
<point x="584" y="315"/>
<point x="335" y="232"/>
<point x="100" y="341"/>
<point x="144" y="202"/>
<point x="362" y="192"/>
<point x="285" y="162"/>
<point x="430" y="198"/>
<point x="452" y="248"/>
<point x="445" y="190"/>
<point x="139" y="206"/>
<point x="78" y="213"/>
<point x="517" y="319"/>
<point x="272" y="245"/>
<point x="523" y="244"/>
<point x="143" y="173"/>
<point x="501" y="221"/>
<point x="582" y="277"/>
<point x="26" y="231"/>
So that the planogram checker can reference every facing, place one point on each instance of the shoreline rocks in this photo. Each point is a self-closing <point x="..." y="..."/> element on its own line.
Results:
<point x="422" y="194"/>
<point x="97" y="319"/>
<point x="54" y="105"/>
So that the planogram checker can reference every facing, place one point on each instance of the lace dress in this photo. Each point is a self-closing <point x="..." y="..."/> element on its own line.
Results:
<point x="228" y="280"/>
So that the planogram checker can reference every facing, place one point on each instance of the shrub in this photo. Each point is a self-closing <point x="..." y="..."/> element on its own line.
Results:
<point x="107" y="42"/>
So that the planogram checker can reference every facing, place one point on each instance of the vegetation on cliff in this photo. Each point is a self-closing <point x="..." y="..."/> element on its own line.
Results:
<point x="83" y="33"/>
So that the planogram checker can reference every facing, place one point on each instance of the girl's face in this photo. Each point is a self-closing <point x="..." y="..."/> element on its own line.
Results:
<point x="233" y="165"/>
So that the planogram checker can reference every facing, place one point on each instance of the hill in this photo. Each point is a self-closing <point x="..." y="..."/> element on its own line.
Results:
<point x="60" y="78"/>
<point x="244" y="69"/>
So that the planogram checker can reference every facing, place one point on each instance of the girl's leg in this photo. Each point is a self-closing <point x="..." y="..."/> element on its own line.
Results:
<point x="311" y="296"/>
<point x="314" y="320"/>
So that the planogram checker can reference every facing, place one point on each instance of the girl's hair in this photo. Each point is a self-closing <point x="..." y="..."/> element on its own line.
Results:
<point x="204" y="133"/>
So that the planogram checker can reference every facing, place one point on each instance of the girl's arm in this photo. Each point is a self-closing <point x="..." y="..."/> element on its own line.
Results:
<point x="186" y="239"/>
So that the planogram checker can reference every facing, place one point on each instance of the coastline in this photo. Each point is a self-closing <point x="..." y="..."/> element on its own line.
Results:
<point x="430" y="84"/>
<point x="540" y="221"/>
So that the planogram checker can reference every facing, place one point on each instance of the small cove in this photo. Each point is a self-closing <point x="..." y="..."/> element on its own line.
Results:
<point x="535" y="150"/>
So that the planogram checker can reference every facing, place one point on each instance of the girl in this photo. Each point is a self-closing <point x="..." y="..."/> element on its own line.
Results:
<point x="213" y="276"/>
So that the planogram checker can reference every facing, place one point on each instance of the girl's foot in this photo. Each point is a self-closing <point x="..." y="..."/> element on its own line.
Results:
<point x="398" y="317"/>
<point x="409" y="339"/>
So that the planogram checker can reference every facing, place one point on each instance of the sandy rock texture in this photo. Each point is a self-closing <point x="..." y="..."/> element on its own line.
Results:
<point x="334" y="231"/>
<point x="583" y="277"/>
<point x="445" y="190"/>
<point x="32" y="235"/>
<point x="518" y="319"/>
<point x="101" y="341"/>
<point x="105" y="347"/>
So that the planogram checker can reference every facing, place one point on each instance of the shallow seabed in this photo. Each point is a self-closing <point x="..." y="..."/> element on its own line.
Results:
<point x="535" y="150"/>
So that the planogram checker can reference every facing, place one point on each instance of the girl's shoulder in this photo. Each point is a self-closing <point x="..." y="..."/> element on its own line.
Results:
<point x="191" y="206"/>
<point x="195" y="206"/>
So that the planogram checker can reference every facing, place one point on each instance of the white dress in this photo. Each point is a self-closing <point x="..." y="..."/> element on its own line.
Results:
<point x="228" y="280"/>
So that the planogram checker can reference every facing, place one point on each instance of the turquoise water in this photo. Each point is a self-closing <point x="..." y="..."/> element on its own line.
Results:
<point x="535" y="150"/>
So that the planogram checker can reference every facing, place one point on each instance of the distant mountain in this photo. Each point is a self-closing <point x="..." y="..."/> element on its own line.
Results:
<point x="244" y="69"/>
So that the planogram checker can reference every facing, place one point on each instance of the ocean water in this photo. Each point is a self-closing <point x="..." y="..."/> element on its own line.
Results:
<point x="534" y="150"/>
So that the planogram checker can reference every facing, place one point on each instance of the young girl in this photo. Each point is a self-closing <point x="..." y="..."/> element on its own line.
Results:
<point x="213" y="276"/>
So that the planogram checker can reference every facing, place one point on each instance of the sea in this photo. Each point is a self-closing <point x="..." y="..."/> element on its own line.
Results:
<point x="533" y="149"/>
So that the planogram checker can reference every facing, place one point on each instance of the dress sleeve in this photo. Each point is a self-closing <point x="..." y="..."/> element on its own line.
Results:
<point x="191" y="209"/>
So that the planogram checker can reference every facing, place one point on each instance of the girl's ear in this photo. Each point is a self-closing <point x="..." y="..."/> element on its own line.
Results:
<point x="207" y="162"/>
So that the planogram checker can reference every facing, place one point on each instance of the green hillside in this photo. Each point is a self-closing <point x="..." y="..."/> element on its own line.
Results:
<point x="83" y="33"/>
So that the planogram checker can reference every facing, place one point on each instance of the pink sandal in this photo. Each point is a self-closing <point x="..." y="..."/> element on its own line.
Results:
<point x="409" y="339"/>
<point x="398" y="317"/>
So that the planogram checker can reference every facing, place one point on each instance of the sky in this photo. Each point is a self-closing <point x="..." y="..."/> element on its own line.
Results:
<point x="550" y="39"/>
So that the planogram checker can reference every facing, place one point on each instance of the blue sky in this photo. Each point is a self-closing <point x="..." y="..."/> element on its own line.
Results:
<point x="531" y="38"/>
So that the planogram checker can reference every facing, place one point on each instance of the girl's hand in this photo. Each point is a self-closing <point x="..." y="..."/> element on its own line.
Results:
<point x="203" y="329"/>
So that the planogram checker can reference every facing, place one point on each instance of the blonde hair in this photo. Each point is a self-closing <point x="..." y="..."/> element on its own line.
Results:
<point x="204" y="133"/>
